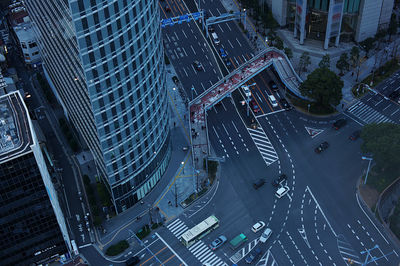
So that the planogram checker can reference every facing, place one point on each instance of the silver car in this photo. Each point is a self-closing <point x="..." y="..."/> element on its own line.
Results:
<point x="218" y="242"/>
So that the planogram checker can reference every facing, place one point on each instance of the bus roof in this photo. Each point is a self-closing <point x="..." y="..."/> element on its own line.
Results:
<point x="198" y="229"/>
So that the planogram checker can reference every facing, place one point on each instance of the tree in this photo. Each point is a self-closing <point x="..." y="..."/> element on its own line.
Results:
<point x="354" y="56"/>
<point x="383" y="142"/>
<point x="368" y="44"/>
<point x="380" y="36"/>
<point x="324" y="86"/>
<point x="342" y="63"/>
<point x="279" y="43"/>
<point x="304" y="62"/>
<point x="288" y="52"/>
<point x="393" y="25"/>
<point x="325" y="61"/>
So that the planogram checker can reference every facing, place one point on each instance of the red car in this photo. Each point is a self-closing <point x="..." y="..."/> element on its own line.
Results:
<point x="254" y="106"/>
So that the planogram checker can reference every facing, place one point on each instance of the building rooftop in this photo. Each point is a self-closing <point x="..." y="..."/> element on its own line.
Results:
<point x="15" y="127"/>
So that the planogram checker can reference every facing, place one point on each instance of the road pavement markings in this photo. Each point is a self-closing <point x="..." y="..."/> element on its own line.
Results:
<point x="176" y="35"/>
<point x="386" y="107"/>
<point x="320" y="209"/>
<point x="204" y="254"/>
<point x="184" y="33"/>
<point x="219" y="26"/>
<point x="239" y="44"/>
<point x="358" y="201"/>
<point x="346" y="250"/>
<point x="263" y="145"/>
<point x="367" y="114"/>
<point x="228" y="26"/>
<point x="394" y="112"/>
<point x="173" y="251"/>
<point x="193" y="49"/>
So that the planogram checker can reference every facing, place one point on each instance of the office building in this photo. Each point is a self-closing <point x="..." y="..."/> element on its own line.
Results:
<point x="105" y="63"/>
<point x="32" y="225"/>
<point x="356" y="20"/>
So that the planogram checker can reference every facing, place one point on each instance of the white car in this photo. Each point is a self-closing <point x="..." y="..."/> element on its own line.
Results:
<point x="258" y="226"/>
<point x="265" y="235"/>
<point x="282" y="191"/>
<point x="246" y="91"/>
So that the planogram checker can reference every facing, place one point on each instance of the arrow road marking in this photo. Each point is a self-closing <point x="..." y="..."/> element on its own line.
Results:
<point x="304" y="236"/>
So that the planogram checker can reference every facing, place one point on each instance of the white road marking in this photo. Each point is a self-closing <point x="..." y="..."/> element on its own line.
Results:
<point x="165" y="243"/>
<point x="193" y="49"/>
<point x="215" y="132"/>
<point x="230" y="44"/>
<point x="238" y="42"/>
<point x="235" y="128"/>
<point x="184" y="33"/>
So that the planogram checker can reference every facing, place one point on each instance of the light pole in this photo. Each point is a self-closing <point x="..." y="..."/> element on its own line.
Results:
<point x="369" y="164"/>
<point x="183" y="167"/>
<point x="244" y="23"/>
<point x="308" y="107"/>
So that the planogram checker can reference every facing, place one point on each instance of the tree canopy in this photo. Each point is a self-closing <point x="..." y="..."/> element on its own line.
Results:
<point x="383" y="142"/>
<point x="325" y="61"/>
<point x="324" y="86"/>
<point x="343" y="63"/>
<point x="393" y="25"/>
<point x="368" y="44"/>
<point x="355" y="56"/>
<point x="304" y="62"/>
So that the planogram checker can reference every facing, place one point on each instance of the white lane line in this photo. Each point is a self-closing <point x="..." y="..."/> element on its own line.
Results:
<point x="238" y="42"/>
<point x="193" y="49"/>
<point x="165" y="243"/>
<point x="215" y="132"/>
<point x="386" y="107"/>
<point x="219" y="26"/>
<point x="184" y="33"/>
<point x="228" y="27"/>
<point x="225" y="129"/>
<point x="230" y="44"/>
<point x="223" y="105"/>
<point x="235" y="127"/>
<point x="186" y="73"/>
<point x="395" y="111"/>
<point x="358" y="201"/>
<point x="201" y="83"/>
<point x="320" y="209"/>
<point x="176" y="35"/>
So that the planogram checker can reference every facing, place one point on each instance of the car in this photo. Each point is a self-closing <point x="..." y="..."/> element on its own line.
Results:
<point x="272" y="100"/>
<point x="133" y="261"/>
<point x="259" y="183"/>
<point x="228" y="62"/>
<point x="246" y="91"/>
<point x="282" y="191"/>
<point x="285" y="104"/>
<point x="167" y="9"/>
<point x="277" y="182"/>
<point x="218" y="242"/>
<point x="253" y="255"/>
<point x="254" y="106"/>
<point x="273" y="85"/>
<point x="258" y="226"/>
<point x="355" y="135"/>
<point x="222" y="52"/>
<point x="265" y="235"/>
<point x="339" y="123"/>
<point x="197" y="65"/>
<point x="321" y="147"/>
<point x="175" y="79"/>
<point x="210" y="29"/>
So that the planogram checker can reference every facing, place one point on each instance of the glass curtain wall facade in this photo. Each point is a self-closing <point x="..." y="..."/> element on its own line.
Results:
<point x="317" y="17"/>
<point x="106" y="61"/>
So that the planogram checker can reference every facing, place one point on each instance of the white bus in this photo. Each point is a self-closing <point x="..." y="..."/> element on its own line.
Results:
<point x="192" y="235"/>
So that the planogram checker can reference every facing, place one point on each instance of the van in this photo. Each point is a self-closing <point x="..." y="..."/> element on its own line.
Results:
<point x="273" y="101"/>
<point x="282" y="191"/>
<point x="215" y="38"/>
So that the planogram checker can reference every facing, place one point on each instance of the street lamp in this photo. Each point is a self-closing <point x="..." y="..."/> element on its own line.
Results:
<point x="183" y="167"/>
<point x="308" y="107"/>
<point x="369" y="164"/>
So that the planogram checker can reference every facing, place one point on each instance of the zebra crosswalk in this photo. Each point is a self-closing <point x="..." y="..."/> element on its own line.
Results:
<point x="263" y="145"/>
<point x="347" y="252"/>
<point x="200" y="250"/>
<point x="367" y="114"/>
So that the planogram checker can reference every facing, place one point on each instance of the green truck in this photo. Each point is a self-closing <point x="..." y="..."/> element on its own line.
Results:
<point x="238" y="241"/>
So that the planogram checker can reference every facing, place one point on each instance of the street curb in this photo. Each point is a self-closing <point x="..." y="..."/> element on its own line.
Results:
<point x="388" y="232"/>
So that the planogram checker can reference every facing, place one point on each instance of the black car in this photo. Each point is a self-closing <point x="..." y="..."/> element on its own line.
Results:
<point x="228" y="62"/>
<point x="273" y="85"/>
<point x="253" y="255"/>
<point x="285" y="104"/>
<point x="197" y="65"/>
<point x="339" y="123"/>
<point x="355" y="135"/>
<point x="259" y="184"/>
<point x="323" y="146"/>
<point x="210" y="29"/>
<point x="277" y="182"/>
<point x="133" y="261"/>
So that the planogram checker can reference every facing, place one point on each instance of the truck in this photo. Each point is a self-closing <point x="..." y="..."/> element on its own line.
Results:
<point x="238" y="241"/>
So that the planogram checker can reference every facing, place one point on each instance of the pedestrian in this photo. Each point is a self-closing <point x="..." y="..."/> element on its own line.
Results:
<point x="174" y="124"/>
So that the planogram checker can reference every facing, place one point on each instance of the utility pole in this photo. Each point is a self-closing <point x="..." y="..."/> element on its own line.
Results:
<point x="176" y="195"/>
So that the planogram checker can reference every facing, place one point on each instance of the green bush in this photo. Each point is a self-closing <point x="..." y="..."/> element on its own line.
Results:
<point x="143" y="232"/>
<point x="118" y="248"/>
<point x="86" y="180"/>
<point x="156" y="225"/>
<point x="97" y="220"/>
<point x="103" y="194"/>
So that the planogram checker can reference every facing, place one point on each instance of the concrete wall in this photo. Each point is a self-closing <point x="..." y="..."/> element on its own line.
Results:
<point x="386" y="13"/>
<point x="279" y="11"/>
<point x="368" y="19"/>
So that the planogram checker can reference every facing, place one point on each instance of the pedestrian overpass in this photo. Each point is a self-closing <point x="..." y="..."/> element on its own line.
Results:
<point x="198" y="107"/>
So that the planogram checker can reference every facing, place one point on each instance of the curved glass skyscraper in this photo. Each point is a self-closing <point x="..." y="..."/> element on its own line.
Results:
<point x="105" y="61"/>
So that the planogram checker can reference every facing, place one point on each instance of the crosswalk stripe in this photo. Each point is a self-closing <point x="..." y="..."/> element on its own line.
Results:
<point x="220" y="263"/>
<point x="267" y="149"/>
<point x="204" y="256"/>
<point x="263" y="143"/>
<point x="174" y="222"/>
<point x="367" y="114"/>
<point x="176" y="229"/>
<point x="181" y="232"/>
<point x="213" y="260"/>
<point x="348" y="254"/>
<point x="200" y="251"/>
<point x="195" y="245"/>
<point x="267" y="156"/>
